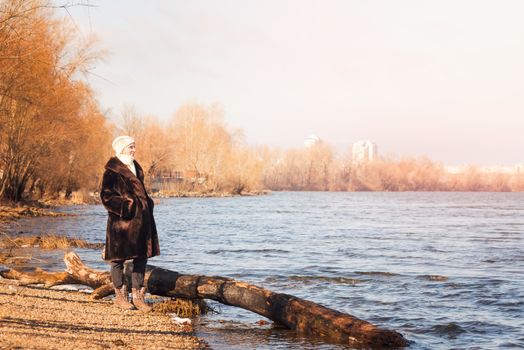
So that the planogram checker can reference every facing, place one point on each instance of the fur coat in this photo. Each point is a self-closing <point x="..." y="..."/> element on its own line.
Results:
<point x="131" y="230"/>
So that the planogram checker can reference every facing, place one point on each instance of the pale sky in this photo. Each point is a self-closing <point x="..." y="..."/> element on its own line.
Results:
<point x="443" y="79"/>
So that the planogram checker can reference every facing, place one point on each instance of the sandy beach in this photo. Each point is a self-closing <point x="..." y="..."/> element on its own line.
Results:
<point x="37" y="318"/>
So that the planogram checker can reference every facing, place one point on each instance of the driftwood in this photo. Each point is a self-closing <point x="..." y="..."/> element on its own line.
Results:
<point x="306" y="317"/>
<point x="39" y="276"/>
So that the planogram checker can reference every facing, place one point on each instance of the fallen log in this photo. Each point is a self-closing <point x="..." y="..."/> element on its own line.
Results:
<point x="303" y="316"/>
<point x="39" y="276"/>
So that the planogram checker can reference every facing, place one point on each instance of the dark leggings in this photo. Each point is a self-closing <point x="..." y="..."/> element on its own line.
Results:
<point x="137" y="276"/>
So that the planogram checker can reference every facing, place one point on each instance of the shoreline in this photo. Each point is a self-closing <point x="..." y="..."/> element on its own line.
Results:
<point x="36" y="208"/>
<point x="36" y="318"/>
<point x="11" y="213"/>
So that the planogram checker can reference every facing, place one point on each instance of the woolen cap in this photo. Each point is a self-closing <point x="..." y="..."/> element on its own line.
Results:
<point x="121" y="142"/>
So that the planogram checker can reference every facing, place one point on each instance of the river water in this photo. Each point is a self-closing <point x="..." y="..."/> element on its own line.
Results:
<point x="444" y="269"/>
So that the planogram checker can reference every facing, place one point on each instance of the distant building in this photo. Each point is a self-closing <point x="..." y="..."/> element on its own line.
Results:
<point x="311" y="140"/>
<point x="364" y="151"/>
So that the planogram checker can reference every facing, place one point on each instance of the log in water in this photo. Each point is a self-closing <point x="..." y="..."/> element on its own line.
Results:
<point x="303" y="316"/>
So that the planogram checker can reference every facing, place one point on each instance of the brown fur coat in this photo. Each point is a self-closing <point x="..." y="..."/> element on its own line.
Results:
<point x="131" y="230"/>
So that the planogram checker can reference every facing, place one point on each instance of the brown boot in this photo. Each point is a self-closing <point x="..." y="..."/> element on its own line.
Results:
<point x="121" y="298"/>
<point x="138" y="299"/>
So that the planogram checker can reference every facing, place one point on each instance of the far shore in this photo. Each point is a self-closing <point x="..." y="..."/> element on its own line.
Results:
<point x="35" y="208"/>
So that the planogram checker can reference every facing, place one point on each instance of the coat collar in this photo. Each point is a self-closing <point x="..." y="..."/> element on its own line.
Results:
<point x="114" y="164"/>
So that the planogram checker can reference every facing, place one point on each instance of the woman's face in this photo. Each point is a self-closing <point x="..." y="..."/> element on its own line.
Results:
<point x="130" y="150"/>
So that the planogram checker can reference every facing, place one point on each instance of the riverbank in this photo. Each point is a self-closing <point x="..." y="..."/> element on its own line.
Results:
<point x="35" y="208"/>
<point x="189" y="194"/>
<point x="9" y="213"/>
<point x="37" y="318"/>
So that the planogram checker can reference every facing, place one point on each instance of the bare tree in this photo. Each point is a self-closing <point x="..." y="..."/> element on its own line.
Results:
<point x="40" y="100"/>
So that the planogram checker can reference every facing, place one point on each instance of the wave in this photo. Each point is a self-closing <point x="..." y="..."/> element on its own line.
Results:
<point x="255" y="251"/>
<point x="435" y="278"/>
<point x="315" y="279"/>
<point x="377" y="273"/>
<point x="450" y="330"/>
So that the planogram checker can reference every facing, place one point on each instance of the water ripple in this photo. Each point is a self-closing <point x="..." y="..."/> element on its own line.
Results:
<point x="444" y="269"/>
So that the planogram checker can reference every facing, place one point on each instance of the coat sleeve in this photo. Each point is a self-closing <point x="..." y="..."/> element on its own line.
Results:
<point x="114" y="201"/>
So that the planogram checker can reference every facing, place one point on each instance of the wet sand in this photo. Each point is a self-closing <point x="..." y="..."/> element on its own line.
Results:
<point x="37" y="318"/>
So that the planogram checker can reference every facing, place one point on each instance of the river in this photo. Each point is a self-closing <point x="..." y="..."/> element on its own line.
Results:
<point x="444" y="269"/>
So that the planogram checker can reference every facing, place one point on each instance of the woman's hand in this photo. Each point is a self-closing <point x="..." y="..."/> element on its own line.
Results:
<point x="128" y="211"/>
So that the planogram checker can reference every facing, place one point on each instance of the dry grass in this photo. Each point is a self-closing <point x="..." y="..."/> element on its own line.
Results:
<point x="8" y="213"/>
<point x="45" y="241"/>
<point x="182" y="307"/>
<point x="10" y="246"/>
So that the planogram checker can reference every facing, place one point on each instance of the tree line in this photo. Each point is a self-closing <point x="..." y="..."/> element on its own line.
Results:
<point x="193" y="152"/>
<point x="55" y="140"/>
<point x="51" y="128"/>
<point x="318" y="168"/>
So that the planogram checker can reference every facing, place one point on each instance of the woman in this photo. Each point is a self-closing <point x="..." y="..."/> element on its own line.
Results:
<point x="131" y="230"/>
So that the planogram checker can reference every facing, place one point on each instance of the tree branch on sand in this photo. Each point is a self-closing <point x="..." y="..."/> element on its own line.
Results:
<point x="303" y="316"/>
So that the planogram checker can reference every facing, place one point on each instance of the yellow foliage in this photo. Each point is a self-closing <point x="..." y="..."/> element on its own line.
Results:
<point x="52" y="130"/>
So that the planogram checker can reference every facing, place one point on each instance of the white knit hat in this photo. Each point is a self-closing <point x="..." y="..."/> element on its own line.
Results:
<point x="121" y="142"/>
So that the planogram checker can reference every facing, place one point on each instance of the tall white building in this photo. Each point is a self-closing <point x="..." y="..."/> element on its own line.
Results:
<point x="311" y="140"/>
<point x="364" y="151"/>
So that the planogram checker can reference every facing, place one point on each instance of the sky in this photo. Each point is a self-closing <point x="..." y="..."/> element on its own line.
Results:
<point x="441" y="79"/>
